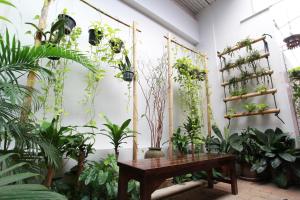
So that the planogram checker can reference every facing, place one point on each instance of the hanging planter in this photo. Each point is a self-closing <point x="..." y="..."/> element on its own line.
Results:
<point x="70" y="23"/>
<point x="52" y="45"/>
<point x="116" y="45"/>
<point x="128" y="76"/>
<point x="292" y="41"/>
<point x="95" y="37"/>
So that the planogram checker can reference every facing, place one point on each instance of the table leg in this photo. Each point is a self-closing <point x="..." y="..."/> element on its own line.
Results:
<point x="145" y="190"/>
<point x="210" y="178"/>
<point x="123" y="184"/>
<point x="233" y="179"/>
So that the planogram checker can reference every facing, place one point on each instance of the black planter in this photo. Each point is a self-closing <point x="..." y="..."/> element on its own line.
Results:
<point x="51" y="57"/>
<point x="116" y="45"/>
<point x="69" y="23"/>
<point x="128" y="76"/>
<point x="94" y="38"/>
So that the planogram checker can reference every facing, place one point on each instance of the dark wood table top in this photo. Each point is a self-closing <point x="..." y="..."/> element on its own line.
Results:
<point x="173" y="161"/>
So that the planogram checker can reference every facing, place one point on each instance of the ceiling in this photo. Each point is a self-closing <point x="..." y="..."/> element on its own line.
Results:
<point x="194" y="6"/>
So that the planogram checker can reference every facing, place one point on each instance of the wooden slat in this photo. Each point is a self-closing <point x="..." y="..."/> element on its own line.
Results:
<point x="244" y="114"/>
<point x="253" y="94"/>
<point x="239" y="47"/>
<point x="235" y="65"/>
<point x="251" y="76"/>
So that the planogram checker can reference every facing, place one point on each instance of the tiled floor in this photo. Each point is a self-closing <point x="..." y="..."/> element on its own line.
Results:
<point x="247" y="191"/>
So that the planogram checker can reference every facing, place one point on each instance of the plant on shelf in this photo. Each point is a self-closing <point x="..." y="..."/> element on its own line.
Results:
<point x="154" y="91"/>
<point x="117" y="134"/>
<point x="240" y="62"/>
<point x="228" y="50"/>
<point x="238" y="92"/>
<point x="101" y="181"/>
<point x="13" y="182"/>
<point x="261" y="88"/>
<point x="279" y="155"/>
<point x="247" y="42"/>
<point x="249" y="107"/>
<point x="261" y="107"/>
<point x="231" y="112"/>
<point x="180" y="141"/>
<point x="252" y="60"/>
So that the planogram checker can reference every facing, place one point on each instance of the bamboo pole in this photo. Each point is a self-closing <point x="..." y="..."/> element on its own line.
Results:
<point x="244" y="114"/>
<point x="31" y="78"/>
<point x="134" y="91"/>
<point x="170" y="93"/>
<point x="249" y="95"/>
<point x="208" y="108"/>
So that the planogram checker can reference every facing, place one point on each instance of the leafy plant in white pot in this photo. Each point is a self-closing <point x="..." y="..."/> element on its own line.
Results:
<point x="154" y="90"/>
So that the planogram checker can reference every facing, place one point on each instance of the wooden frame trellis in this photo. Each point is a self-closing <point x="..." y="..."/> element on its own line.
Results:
<point x="170" y="87"/>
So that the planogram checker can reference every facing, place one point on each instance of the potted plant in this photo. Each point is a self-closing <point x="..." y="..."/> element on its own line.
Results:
<point x="117" y="134"/>
<point x="96" y="33"/>
<point x="180" y="142"/>
<point x="69" y="23"/>
<point x="261" y="107"/>
<point x="116" y="45"/>
<point x="155" y="96"/>
<point x="278" y="154"/>
<point x="126" y="70"/>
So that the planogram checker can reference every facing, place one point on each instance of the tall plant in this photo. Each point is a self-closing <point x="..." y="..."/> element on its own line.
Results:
<point x="154" y="90"/>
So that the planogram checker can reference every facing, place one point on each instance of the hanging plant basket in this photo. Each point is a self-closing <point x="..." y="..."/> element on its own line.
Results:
<point x="95" y="37"/>
<point x="70" y="23"/>
<point x="51" y="57"/>
<point x="292" y="41"/>
<point x="128" y="76"/>
<point x="116" y="45"/>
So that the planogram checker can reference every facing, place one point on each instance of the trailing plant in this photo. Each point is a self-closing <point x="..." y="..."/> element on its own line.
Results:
<point x="117" y="134"/>
<point x="155" y="98"/>
<point x="279" y="153"/>
<point x="250" y="107"/>
<point x="13" y="185"/>
<point x="186" y="69"/>
<point x="245" y="43"/>
<point x="180" y="141"/>
<point x="223" y="143"/>
<point x="101" y="181"/>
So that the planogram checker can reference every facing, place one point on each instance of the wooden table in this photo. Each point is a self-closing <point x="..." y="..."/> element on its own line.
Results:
<point x="151" y="173"/>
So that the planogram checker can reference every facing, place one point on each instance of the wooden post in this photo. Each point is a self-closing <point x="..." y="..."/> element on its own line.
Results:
<point x="31" y="78"/>
<point x="170" y="93"/>
<point x="208" y="108"/>
<point x="135" y="96"/>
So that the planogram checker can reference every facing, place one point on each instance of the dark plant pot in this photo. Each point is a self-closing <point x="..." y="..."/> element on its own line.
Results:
<point x="128" y="76"/>
<point x="51" y="57"/>
<point x="154" y="153"/>
<point x="278" y="179"/>
<point x="94" y="39"/>
<point x="70" y="23"/>
<point x="116" y="46"/>
<point x="247" y="174"/>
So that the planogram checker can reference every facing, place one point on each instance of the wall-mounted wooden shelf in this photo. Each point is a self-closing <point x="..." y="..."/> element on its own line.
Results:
<point x="235" y="65"/>
<point x="253" y="94"/>
<point x="239" y="47"/>
<point x="251" y="76"/>
<point x="245" y="114"/>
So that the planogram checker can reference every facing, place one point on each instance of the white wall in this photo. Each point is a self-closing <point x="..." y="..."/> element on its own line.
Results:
<point x="110" y="99"/>
<point x="223" y="24"/>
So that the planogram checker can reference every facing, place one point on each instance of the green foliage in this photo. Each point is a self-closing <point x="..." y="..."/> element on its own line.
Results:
<point x="117" y="134"/>
<point x="279" y="153"/>
<point x="294" y="72"/>
<point x="238" y="91"/>
<point x="254" y="55"/>
<point x="101" y="181"/>
<point x="187" y="70"/>
<point x="240" y="61"/>
<point x="250" y="107"/>
<point x="223" y="143"/>
<point x="261" y="88"/>
<point x="261" y="107"/>
<point x="192" y="128"/>
<point x="245" y="43"/>
<point x="12" y="184"/>
<point x="180" y="141"/>
<point x="8" y="3"/>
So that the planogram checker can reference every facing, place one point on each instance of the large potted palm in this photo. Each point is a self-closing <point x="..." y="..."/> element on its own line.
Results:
<point x="155" y="95"/>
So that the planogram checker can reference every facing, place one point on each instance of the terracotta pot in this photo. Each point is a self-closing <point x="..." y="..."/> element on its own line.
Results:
<point x="154" y="153"/>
